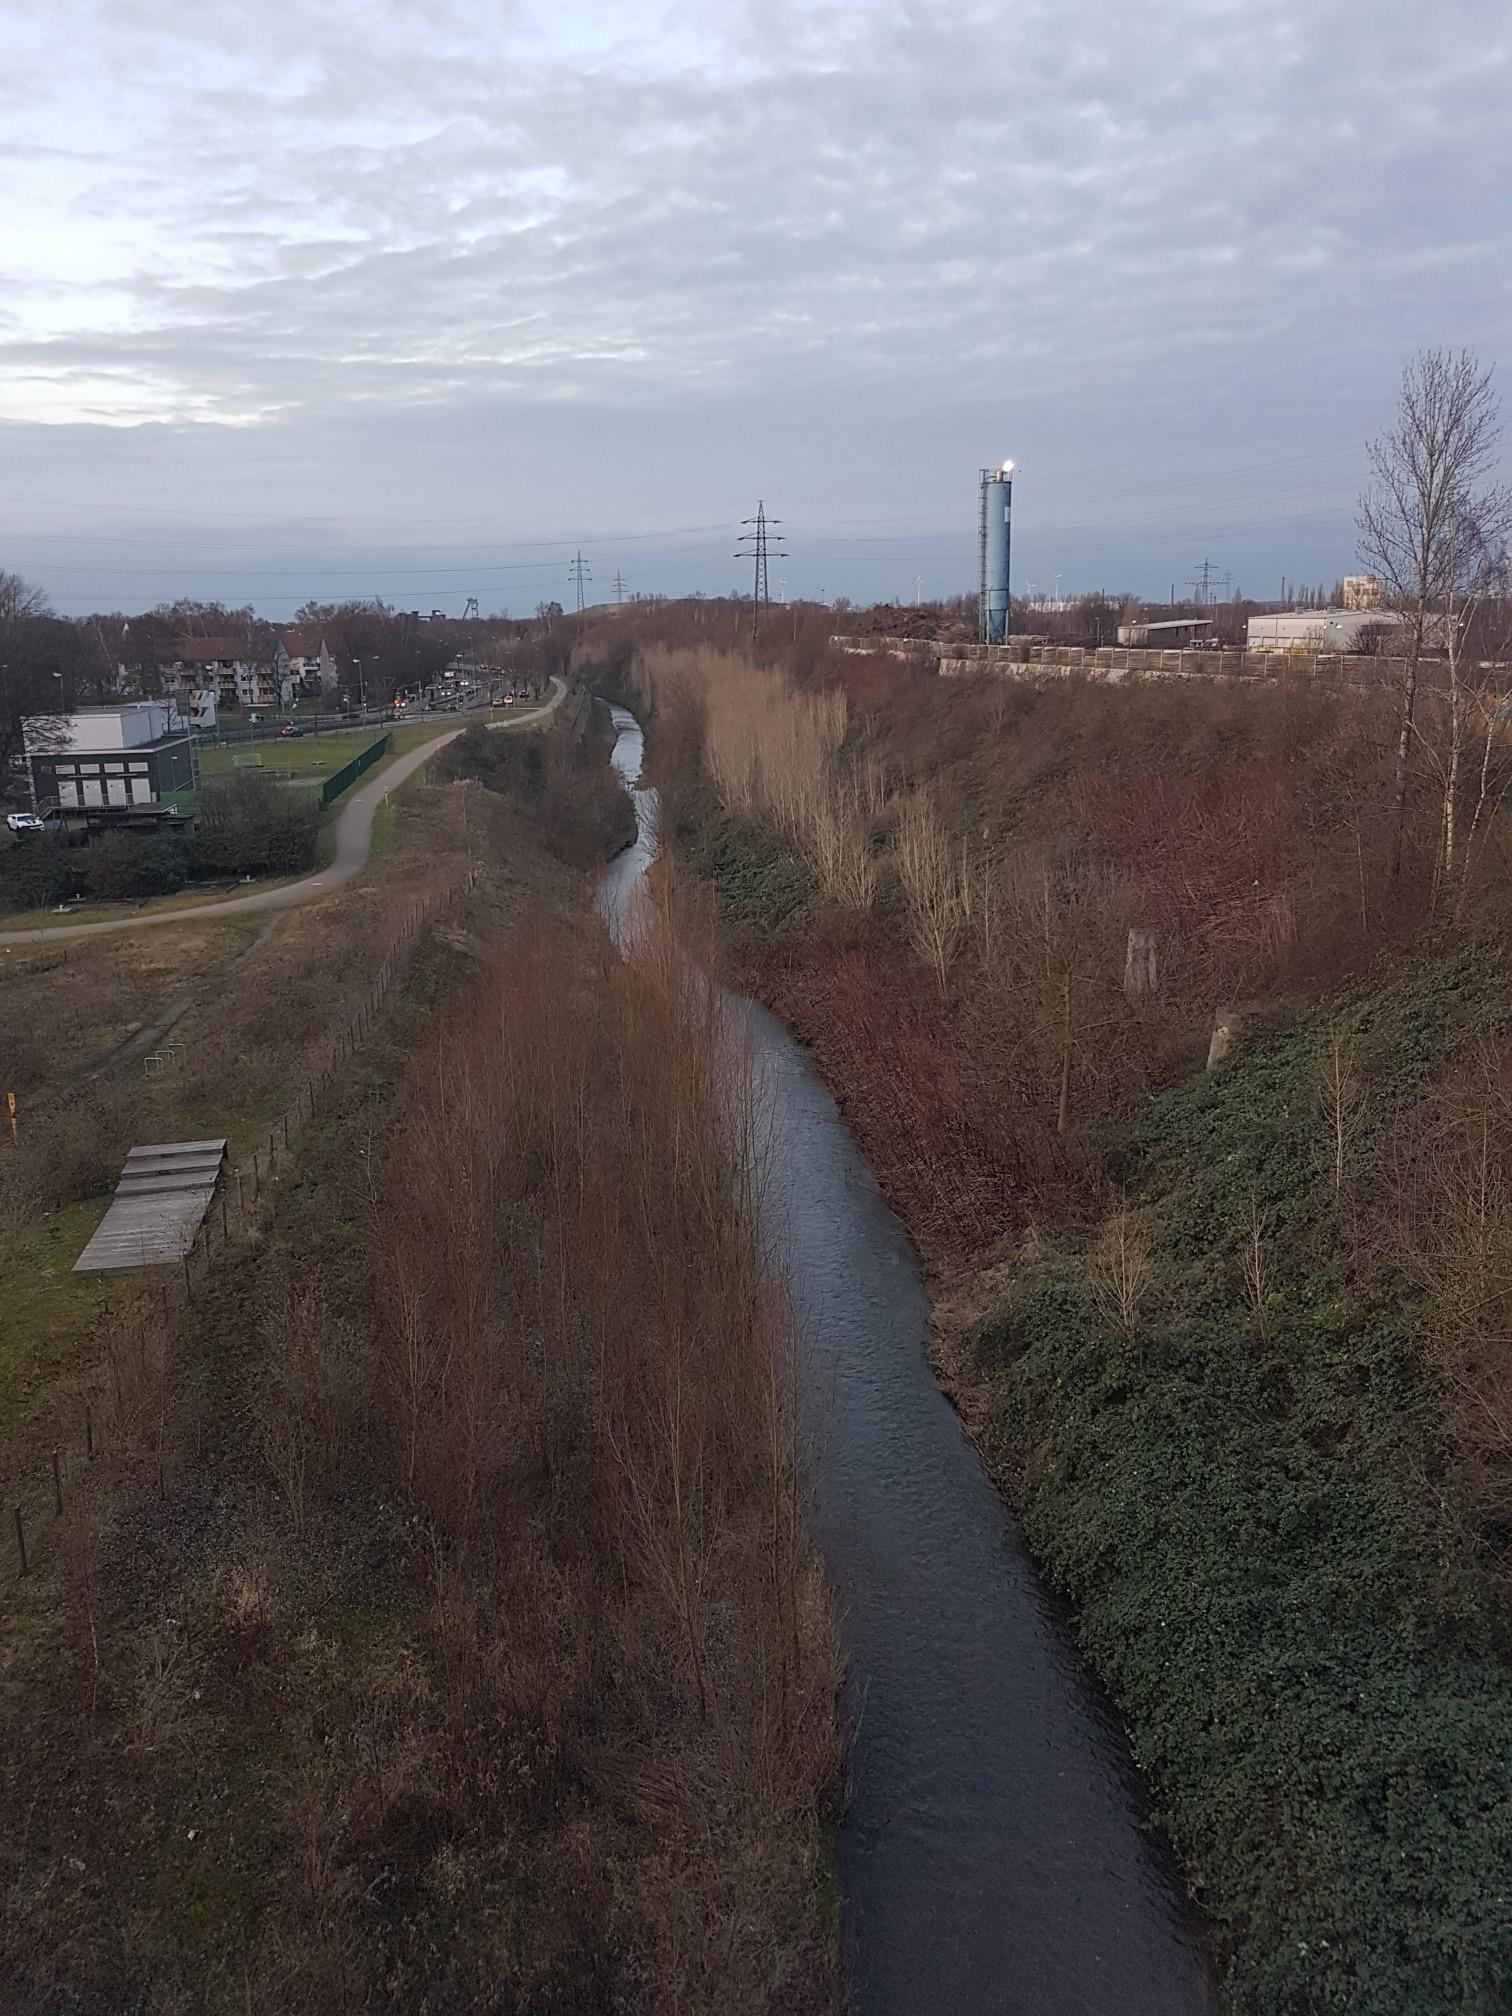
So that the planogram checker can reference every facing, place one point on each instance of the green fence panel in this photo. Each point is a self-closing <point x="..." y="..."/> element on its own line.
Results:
<point x="348" y="774"/>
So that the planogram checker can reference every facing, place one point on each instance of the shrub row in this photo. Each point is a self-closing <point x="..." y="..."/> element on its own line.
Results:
<point x="245" y="826"/>
<point x="563" y="781"/>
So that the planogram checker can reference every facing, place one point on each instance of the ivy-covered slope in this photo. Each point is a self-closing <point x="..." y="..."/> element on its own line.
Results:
<point x="1237" y="1472"/>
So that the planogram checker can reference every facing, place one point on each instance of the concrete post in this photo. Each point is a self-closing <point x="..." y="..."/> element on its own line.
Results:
<point x="1141" y="967"/>
<point x="1226" y="1025"/>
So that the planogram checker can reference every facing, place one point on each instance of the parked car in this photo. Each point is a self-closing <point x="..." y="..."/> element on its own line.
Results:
<point x="24" y="822"/>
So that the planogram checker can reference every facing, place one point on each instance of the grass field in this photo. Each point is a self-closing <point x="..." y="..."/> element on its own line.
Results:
<point x="307" y="757"/>
<point x="306" y="761"/>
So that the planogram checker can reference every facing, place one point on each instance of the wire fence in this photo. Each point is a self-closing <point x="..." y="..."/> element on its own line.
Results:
<point x="126" y="1395"/>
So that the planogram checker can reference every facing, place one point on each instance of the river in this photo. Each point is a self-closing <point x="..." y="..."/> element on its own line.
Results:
<point x="994" y="1853"/>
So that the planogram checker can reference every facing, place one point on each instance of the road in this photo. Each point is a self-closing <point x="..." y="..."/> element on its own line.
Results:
<point x="353" y="844"/>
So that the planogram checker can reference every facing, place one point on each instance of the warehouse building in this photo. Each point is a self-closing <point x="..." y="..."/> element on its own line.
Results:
<point x="136" y="754"/>
<point x="1322" y="630"/>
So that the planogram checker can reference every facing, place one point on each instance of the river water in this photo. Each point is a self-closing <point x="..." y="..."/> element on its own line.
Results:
<point x="993" y="1853"/>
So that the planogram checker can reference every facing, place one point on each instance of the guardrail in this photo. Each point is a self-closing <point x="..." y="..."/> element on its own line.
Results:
<point x="342" y="779"/>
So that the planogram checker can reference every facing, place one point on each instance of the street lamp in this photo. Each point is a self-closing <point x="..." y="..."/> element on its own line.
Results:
<point x="361" y="686"/>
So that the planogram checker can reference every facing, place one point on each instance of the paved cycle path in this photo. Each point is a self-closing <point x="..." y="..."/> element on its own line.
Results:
<point x="353" y="844"/>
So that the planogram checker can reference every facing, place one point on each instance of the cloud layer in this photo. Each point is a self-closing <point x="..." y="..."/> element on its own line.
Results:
<point x="354" y="286"/>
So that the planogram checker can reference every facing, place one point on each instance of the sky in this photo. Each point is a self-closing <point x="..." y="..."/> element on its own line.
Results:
<point x="368" y="299"/>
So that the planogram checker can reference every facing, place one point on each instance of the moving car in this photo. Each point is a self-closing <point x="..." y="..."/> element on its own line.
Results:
<point x="291" y="728"/>
<point x="24" y="822"/>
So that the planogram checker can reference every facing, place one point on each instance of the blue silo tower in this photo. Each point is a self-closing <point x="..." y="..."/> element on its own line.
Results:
<point x="995" y="536"/>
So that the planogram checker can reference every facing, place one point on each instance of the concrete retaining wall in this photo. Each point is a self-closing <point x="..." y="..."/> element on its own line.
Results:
<point x="1025" y="658"/>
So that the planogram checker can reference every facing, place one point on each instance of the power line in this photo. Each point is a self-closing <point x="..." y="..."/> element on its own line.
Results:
<point x="1205" y="580"/>
<point x="578" y="573"/>
<point x="756" y="546"/>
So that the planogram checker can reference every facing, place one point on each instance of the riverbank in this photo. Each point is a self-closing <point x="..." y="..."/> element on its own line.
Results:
<point x="1219" y="1344"/>
<point x="428" y="1624"/>
<point x="991" y="1830"/>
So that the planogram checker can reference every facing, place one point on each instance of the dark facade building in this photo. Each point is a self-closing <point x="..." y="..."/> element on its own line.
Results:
<point x="136" y="754"/>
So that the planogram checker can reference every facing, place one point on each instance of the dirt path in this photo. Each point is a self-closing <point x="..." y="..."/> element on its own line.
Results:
<point x="353" y="838"/>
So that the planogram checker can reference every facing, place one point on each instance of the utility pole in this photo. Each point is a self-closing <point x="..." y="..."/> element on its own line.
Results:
<point x="1205" y="581"/>
<point x="619" y="585"/>
<point x="758" y="547"/>
<point x="578" y="573"/>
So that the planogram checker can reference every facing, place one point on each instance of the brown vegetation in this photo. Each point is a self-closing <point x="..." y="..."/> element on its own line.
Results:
<point x="1010" y="839"/>
<point x="435" y="1628"/>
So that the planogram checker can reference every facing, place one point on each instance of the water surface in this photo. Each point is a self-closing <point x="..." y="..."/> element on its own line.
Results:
<point x="993" y="1854"/>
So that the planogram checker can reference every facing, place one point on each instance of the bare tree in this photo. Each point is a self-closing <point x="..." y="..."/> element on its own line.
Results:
<point x="1427" y="481"/>
<point x="32" y="668"/>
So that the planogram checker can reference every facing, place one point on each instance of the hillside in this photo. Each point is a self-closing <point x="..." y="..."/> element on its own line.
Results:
<point x="1232" y="1340"/>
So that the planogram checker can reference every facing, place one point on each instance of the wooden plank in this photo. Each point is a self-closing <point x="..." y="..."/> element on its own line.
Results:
<point x="166" y="1187"/>
<point x="192" y="1151"/>
<point x="165" y="1184"/>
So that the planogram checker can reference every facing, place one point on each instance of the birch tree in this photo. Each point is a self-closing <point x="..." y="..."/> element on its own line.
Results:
<point x="1428" y="480"/>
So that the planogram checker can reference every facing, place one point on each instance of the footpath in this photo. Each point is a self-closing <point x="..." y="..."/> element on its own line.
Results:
<point x="353" y="844"/>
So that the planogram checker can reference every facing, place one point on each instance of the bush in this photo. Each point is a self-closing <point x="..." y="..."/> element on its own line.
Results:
<point x="1248" y="1500"/>
<point x="561" y="780"/>
<point x="514" y="765"/>
<point x="130" y="864"/>
<point x="39" y="871"/>
<point x="250" y="825"/>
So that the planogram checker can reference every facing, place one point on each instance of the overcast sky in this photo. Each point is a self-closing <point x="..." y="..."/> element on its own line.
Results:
<point x="366" y="298"/>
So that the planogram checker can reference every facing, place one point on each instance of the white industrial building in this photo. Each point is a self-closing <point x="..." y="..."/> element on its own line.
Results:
<point x="1319" y="629"/>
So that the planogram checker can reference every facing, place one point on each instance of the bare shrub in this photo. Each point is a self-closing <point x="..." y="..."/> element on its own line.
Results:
<point x="1254" y="1272"/>
<point x="936" y="885"/>
<point x="585" y="1392"/>
<point x="1119" y="1273"/>
<point x="1453" y="1183"/>
<point x="308" y="1398"/>
<point x="1341" y="1098"/>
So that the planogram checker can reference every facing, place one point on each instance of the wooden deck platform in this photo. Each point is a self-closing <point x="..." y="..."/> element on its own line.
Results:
<point x="165" y="1190"/>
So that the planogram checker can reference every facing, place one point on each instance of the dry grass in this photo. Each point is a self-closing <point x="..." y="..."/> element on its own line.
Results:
<point x="771" y="752"/>
<point x="64" y="1008"/>
<point x="970" y="1006"/>
<point x="437" y="1632"/>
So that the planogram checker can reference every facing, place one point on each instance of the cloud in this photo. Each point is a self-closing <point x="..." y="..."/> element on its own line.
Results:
<point x="840" y="252"/>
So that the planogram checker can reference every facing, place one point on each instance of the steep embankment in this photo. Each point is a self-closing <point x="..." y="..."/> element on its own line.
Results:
<point x="1228" y="1449"/>
<point x="1243" y="1365"/>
